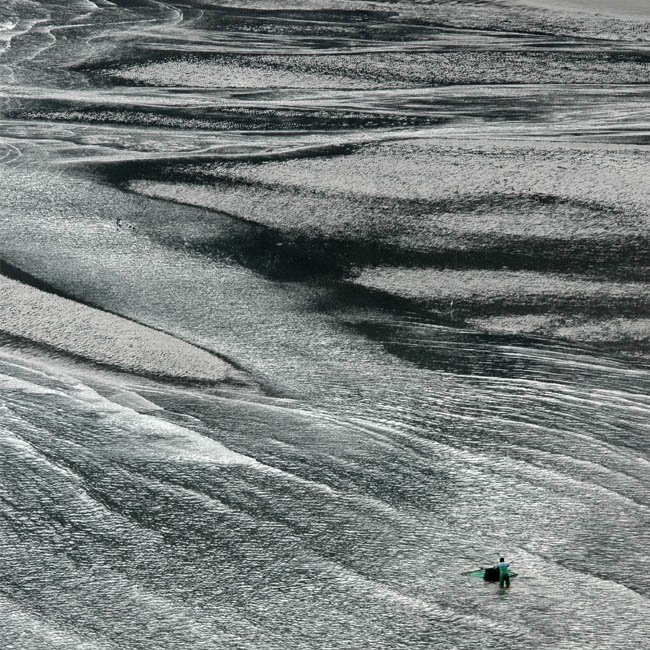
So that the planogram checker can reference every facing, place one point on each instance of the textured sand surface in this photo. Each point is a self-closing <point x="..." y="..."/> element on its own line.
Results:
<point x="421" y="227"/>
<point x="629" y="9"/>
<point x="99" y="336"/>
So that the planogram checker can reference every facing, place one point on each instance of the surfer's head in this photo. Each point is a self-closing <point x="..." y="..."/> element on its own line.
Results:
<point x="502" y="559"/>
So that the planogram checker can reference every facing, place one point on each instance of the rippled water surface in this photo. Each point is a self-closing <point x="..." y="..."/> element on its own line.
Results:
<point x="307" y="309"/>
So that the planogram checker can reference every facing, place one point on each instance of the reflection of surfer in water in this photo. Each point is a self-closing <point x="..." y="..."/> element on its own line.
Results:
<point x="504" y="574"/>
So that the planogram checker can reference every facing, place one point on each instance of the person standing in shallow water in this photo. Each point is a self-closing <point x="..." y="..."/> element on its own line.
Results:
<point x="504" y="574"/>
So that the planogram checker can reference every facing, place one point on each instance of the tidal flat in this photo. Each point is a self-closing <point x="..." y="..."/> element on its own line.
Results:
<point x="309" y="308"/>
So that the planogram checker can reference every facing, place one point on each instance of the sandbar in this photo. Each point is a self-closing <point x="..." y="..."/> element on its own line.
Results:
<point x="627" y="9"/>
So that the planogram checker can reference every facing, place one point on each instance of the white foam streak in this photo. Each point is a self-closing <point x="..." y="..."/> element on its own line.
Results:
<point x="136" y="435"/>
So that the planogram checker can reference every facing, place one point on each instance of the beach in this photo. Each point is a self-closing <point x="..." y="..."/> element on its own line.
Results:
<point x="309" y="309"/>
<point x="625" y="9"/>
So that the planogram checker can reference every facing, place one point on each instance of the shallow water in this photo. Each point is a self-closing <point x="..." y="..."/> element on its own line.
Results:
<point x="301" y="456"/>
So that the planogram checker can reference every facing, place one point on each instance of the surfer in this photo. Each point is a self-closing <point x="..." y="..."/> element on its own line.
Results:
<point x="504" y="574"/>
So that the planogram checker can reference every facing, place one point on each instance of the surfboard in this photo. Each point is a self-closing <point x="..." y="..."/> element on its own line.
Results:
<point x="489" y="574"/>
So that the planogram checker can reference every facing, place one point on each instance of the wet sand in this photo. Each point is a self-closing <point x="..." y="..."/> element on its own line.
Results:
<point x="425" y="137"/>
<point x="627" y="9"/>
<point x="420" y="230"/>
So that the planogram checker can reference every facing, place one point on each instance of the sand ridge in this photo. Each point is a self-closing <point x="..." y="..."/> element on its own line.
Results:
<point x="625" y="9"/>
